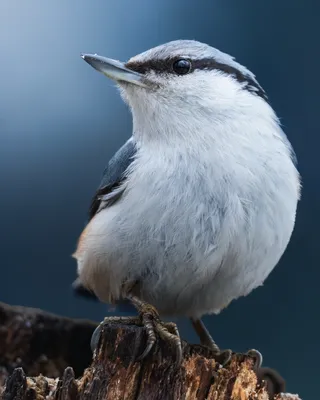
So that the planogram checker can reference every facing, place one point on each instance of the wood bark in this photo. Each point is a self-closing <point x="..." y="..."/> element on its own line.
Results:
<point x="46" y="357"/>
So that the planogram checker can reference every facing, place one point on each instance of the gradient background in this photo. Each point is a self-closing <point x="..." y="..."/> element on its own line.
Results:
<point x="60" y="121"/>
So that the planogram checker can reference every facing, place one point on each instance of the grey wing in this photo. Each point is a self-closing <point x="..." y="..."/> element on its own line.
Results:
<point x="107" y="193"/>
<point x="109" y="190"/>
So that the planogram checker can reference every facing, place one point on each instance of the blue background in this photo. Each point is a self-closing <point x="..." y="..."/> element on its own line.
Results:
<point x="60" y="121"/>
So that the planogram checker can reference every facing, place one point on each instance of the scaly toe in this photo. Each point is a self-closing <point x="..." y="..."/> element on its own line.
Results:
<point x="109" y="320"/>
<point x="223" y="357"/>
<point x="168" y="331"/>
<point x="148" y="323"/>
<point x="257" y="357"/>
<point x="226" y="357"/>
<point x="95" y="337"/>
<point x="154" y="326"/>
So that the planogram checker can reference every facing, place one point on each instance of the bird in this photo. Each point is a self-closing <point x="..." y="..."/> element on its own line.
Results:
<point x="198" y="206"/>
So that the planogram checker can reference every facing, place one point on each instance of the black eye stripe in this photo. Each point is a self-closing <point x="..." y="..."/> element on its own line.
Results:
<point x="202" y="64"/>
<point x="250" y="84"/>
<point x="152" y="65"/>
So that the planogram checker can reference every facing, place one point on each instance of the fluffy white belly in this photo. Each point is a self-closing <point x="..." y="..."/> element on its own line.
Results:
<point x="194" y="247"/>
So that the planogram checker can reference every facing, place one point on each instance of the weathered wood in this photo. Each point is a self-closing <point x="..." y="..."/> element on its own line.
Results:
<point x="34" y="343"/>
<point x="41" y="342"/>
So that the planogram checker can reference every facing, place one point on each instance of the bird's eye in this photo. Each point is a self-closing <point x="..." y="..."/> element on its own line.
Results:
<point x="181" y="67"/>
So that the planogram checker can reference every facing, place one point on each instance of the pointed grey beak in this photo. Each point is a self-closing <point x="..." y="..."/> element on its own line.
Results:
<point x="114" y="69"/>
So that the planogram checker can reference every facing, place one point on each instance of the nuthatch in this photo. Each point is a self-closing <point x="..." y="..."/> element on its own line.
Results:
<point x="197" y="207"/>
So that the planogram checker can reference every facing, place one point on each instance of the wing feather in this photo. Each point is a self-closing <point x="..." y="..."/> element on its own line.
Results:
<point x="114" y="174"/>
<point x="108" y="193"/>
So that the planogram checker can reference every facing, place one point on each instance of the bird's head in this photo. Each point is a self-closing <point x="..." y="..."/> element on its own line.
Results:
<point x="184" y="82"/>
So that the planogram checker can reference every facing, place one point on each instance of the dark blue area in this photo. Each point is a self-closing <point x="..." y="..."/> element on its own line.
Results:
<point x="60" y="121"/>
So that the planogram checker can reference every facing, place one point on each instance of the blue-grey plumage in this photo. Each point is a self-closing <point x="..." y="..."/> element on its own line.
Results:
<point x="113" y="177"/>
<point x="106" y="194"/>
<point x="199" y="206"/>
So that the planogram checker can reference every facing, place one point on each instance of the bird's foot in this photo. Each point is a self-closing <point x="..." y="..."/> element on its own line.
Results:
<point x="149" y="318"/>
<point x="223" y="357"/>
<point x="168" y="331"/>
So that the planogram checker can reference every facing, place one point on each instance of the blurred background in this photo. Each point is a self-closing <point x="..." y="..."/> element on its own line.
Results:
<point x="60" y="121"/>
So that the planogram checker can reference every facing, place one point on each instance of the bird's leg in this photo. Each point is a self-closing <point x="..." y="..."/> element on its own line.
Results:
<point x="224" y="356"/>
<point x="149" y="318"/>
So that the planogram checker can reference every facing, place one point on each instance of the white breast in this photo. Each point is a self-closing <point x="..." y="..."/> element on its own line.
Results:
<point x="196" y="230"/>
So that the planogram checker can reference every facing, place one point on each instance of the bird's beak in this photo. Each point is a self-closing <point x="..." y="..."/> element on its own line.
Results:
<point x="114" y="69"/>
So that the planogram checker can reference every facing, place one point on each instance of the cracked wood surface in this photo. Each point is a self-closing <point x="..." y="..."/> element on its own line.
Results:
<point x="34" y="343"/>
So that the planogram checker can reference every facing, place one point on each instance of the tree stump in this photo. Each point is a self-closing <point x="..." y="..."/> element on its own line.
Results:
<point x="46" y="357"/>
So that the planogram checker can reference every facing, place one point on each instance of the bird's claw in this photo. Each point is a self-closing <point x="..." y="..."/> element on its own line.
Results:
<point x="149" y="318"/>
<point x="167" y="331"/>
<point x="223" y="357"/>
<point x="116" y="320"/>
<point x="257" y="357"/>
<point x="95" y="338"/>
